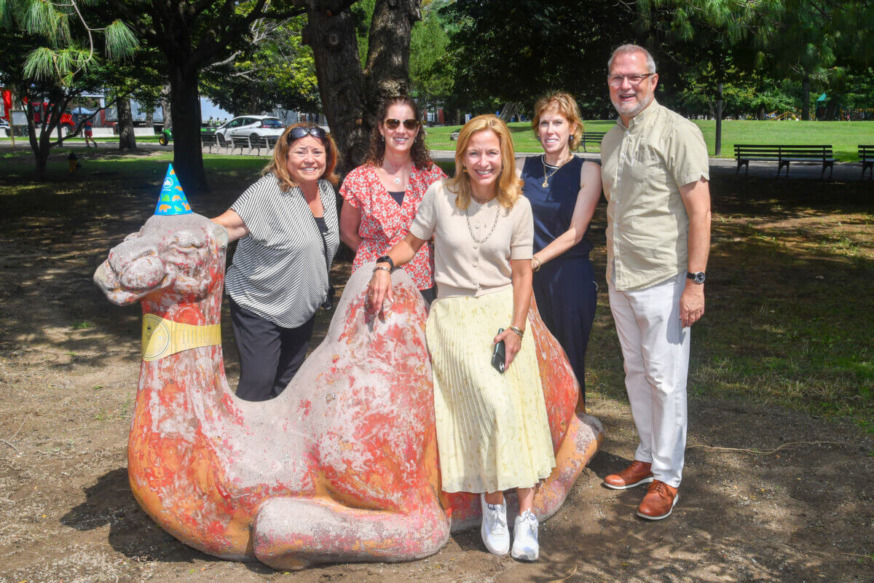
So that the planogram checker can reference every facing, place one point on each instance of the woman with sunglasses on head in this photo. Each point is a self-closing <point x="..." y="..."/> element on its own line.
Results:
<point x="492" y="429"/>
<point x="381" y="196"/>
<point x="564" y="191"/>
<point x="288" y="234"/>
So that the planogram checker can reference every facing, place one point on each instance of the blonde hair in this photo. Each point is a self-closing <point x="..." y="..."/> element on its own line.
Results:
<point x="567" y="107"/>
<point x="279" y="165"/>
<point x="509" y="187"/>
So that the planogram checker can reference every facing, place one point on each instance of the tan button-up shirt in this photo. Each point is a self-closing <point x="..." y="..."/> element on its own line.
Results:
<point x="644" y="166"/>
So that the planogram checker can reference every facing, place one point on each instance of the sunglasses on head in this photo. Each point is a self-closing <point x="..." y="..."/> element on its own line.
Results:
<point x="393" y="124"/>
<point x="302" y="132"/>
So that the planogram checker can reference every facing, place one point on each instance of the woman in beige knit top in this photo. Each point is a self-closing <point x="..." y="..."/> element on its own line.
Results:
<point x="492" y="429"/>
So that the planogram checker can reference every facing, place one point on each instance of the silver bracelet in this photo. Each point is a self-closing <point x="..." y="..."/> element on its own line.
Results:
<point x="377" y="268"/>
<point x="519" y="331"/>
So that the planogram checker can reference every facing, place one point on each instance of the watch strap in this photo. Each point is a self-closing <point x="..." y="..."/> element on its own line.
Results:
<point x="386" y="259"/>
<point x="697" y="277"/>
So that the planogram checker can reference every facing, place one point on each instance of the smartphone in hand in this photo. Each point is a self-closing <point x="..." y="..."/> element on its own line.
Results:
<point x="499" y="356"/>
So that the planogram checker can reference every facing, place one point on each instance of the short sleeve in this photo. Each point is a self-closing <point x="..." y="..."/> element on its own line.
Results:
<point x="426" y="217"/>
<point x="522" y="240"/>
<point x="687" y="155"/>
<point x="247" y="204"/>
<point x="352" y="186"/>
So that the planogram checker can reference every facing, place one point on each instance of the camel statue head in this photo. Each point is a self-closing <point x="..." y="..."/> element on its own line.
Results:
<point x="177" y="257"/>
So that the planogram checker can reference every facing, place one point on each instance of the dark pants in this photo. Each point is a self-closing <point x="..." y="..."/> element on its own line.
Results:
<point x="270" y="355"/>
<point x="566" y="295"/>
<point x="429" y="295"/>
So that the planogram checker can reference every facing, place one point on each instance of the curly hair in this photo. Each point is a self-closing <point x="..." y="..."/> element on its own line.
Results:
<point x="567" y="107"/>
<point x="279" y="165"/>
<point x="509" y="187"/>
<point x="419" y="153"/>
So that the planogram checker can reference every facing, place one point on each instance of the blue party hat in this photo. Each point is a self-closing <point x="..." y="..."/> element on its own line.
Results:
<point x="172" y="200"/>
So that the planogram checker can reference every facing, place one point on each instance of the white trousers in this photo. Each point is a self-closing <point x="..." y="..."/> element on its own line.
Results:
<point x="655" y="348"/>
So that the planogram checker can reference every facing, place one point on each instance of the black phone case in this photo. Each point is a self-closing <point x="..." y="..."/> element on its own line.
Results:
<point x="499" y="356"/>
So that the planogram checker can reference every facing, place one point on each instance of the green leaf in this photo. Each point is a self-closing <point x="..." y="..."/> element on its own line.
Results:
<point x="40" y="64"/>
<point x="120" y="41"/>
<point x="44" y="19"/>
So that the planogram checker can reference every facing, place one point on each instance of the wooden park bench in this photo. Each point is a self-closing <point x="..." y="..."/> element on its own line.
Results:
<point x="208" y="140"/>
<point x="866" y="157"/>
<point x="239" y="142"/>
<point x="592" y="138"/>
<point x="783" y="155"/>
<point x="267" y="142"/>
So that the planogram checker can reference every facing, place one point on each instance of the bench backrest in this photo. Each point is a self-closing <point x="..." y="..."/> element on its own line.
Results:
<point x="866" y="153"/>
<point x="779" y="151"/>
<point x="593" y="136"/>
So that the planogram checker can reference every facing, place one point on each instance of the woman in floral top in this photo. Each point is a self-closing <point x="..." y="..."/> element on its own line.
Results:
<point x="381" y="196"/>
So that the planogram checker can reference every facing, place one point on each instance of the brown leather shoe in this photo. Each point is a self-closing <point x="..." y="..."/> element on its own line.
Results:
<point x="659" y="501"/>
<point x="634" y="475"/>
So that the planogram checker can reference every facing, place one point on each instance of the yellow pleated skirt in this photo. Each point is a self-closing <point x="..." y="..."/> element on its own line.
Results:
<point x="492" y="428"/>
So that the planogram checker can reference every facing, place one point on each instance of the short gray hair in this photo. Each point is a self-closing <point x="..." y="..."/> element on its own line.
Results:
<point x="630" y="48"/>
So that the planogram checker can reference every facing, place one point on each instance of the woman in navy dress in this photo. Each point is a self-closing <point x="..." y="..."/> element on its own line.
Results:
<point x="564" y="191"/>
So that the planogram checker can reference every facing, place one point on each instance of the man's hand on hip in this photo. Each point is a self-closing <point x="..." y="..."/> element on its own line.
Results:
<point x="691" y="304"/>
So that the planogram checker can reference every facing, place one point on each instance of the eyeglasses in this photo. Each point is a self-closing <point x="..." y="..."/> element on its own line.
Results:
<point x="302" y="132"/>
<point x="393" y="124"/>
<point x="633" y="80"/>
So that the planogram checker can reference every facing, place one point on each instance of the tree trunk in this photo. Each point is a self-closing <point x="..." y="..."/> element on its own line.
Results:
<point x="185" y="113"/>
<point x="509" y="111"/>
<point x="805" y="97"/>
<point x="388" y="61"/>
<point x="350" y="96"/>
<point x="718" y="143"/>
<point x="166" y="109"/>
<point x="126" y="138"/>
<point x="341" y="81"/>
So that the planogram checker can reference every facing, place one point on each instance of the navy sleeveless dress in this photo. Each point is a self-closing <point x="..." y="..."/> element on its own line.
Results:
<point x="564" y="287"/>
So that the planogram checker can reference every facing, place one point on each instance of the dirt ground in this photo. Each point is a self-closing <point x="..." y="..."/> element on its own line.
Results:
<point x="798" y="508"/>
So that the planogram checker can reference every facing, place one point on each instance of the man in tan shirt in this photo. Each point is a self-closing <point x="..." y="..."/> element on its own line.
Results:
<point x="655" y="176"/>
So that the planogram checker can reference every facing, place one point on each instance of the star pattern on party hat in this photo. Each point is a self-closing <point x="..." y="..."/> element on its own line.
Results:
<point x="172" y="200"/>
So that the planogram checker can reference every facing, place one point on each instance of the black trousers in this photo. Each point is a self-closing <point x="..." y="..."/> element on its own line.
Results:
<point x="270" y="355"/>
<point x="567" y="296"/>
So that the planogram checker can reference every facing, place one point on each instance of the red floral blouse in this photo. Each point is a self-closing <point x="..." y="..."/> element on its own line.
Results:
<point x="384" y="222"/>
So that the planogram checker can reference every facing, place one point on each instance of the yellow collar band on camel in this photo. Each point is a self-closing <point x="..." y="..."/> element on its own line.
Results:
<point x="165" y="337"/>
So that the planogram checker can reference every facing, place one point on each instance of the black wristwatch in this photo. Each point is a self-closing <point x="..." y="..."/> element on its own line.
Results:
<point x="697" y="277"/>
<point x="386" y="259"/>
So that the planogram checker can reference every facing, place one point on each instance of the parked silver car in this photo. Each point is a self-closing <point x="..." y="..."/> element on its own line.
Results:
<point x="4" y="128"/>
<point x="249" y="126"/>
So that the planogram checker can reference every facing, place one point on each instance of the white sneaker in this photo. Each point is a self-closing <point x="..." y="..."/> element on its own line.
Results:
<point x="494" y="531"/>
<point x="525" y="545"/>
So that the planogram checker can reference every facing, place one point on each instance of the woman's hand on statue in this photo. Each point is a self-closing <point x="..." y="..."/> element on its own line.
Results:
<point x="378" y="291"/>
<point x="512" y="345"/>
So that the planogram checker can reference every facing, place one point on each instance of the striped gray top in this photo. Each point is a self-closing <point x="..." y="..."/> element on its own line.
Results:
<point x="279" y="270"/>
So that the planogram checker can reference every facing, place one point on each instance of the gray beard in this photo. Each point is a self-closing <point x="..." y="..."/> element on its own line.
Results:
<point x="633" y="111"/>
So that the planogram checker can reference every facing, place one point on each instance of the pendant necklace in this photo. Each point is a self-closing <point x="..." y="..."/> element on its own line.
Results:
<point x="397" y="177"/>
<point x="546" y="176"/>
<point x="494" y="224"/>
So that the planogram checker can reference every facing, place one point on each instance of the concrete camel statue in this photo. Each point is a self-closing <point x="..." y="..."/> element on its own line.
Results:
<point x="343" y="465"/>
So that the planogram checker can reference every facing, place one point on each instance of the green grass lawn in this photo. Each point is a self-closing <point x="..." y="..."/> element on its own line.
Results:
<point x="844" y="137"/>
